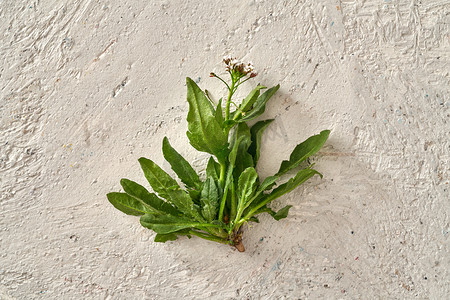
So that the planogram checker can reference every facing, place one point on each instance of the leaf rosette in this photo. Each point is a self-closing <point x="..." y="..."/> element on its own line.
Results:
<point x="232" y="193"/>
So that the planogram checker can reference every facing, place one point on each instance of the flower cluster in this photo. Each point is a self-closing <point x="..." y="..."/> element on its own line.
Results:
<point x="240" y="69"/>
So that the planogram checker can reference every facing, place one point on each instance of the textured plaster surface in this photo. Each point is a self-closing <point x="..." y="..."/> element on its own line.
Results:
<point x="87" y="87"/>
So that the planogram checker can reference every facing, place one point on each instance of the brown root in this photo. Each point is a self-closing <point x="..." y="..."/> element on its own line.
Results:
<point x="240" y="247"/>
<point x="237" y="240"/>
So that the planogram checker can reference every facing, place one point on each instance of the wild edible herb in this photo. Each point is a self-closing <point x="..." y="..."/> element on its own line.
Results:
<point x="232" y="194"/>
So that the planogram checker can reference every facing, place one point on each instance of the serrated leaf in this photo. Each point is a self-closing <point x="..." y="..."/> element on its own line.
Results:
<point x="256" y="135"/>
<point x="303" y="151"/>
<point x="168" y="188"/>
<point x="180" y="166"/>
<point x="164" y="224"/>
<point x="140" y="193"/>
<point x="127" y="204"/>
<point x="209" y="199"/>
<point x="260" y="104"/>
<point x="204" y="132"/>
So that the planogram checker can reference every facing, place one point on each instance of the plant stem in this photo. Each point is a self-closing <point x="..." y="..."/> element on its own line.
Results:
<point x="222" y="202"/>
<point x="230" y="94"/>
<point x="209" y="237"/>
<point x="223" y="169"/>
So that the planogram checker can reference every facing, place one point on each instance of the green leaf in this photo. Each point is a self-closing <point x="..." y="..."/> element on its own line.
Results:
<point x="168" y="188"/>
<point x="164" y="224"/>
<point x="229" y="124"/>
<point x="209" y="199"/>
<point x="180" y="166"/>
<point x="281" y="214"/>
<point x="162" y="238"/>
<point x="260" y="104"/>
<point x="268" y="183"/>
<point x="292" y="183"/>
<point x="303" y="151"/>
<point x="286" y="187"/>
<point x="127" y="204"/>
<point x="248" y="102"/>
<point x="243" y="158"/>
<point x="140" y="193"/>
<point x="234" y="150"/>
<point x="204" y="132"/>
<point x="213" y="169"/>
<point x="195" y="195"/>
<point x="256" y="134"/>
<point x="253" y="219"/>
<point x="247" y="184"/>
<point x="228" y="183"/>
<point x="219" y="113"/>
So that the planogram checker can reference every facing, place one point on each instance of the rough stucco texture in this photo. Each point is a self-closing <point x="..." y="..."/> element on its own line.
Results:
<point x="87" y="87"/>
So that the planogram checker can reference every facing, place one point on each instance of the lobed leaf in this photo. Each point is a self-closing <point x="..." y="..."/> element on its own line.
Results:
<point x="303" y="151"/>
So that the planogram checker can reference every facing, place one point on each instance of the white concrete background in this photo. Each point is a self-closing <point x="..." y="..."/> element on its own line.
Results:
<point x="87" y="87"/>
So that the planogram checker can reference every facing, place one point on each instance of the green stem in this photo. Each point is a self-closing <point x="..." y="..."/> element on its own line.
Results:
<point x="222" y="203"/>
<point x="223" y="169"/>
<point x="233" y="201"/>
<point x="222" y="81"/>
<point x="230" y="94"/>
<point x="209" y="237"/>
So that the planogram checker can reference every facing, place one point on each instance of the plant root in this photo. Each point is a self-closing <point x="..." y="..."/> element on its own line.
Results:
<point x="237" y="240"/>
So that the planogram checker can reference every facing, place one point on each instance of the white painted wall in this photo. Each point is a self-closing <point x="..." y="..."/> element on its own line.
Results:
<point x="87" y="87"/>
